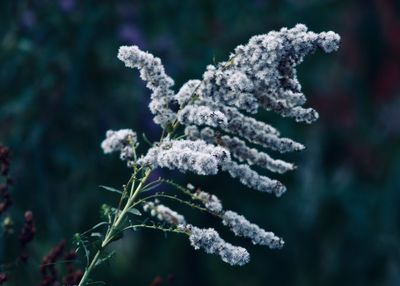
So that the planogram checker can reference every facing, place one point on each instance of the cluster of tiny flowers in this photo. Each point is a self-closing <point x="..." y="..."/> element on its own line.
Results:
<point x="122" y="141"/>
<point x="210" y="201"/>
<point x="210" y="241"/>
<point x="164" y="213"/>
<point x="238" y="224"/>
<point x="152" y="71"/>
<point x="261" y="73"/>
<point x="218" y="113"/>
<point x="250" y="156"/>
<point x="186" y="155"/>
<point x="206" y="239"/>
<point x="201" y="115"/>
<point x="240" y="151"/>
<point x="242" y="227"/>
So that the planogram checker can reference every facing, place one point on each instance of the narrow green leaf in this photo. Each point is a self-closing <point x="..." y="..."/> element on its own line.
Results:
<point x="151" y="187"/>
<point x="81" y="243"/>
<point x="146" y="139"/>
<point x="135" y="211"/>
<point x="110" y="189"/>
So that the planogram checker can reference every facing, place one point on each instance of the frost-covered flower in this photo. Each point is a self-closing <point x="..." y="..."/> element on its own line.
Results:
<point x="201" y="115"/>
<point x="164" y="213"/>
<point x="261" y="73"/>
<point x="238" y="224"/>
<point x="222" y="131"/>
<point x="242" y="227"/>
<point x="239" y="150"/>
<point x="186" y="92"/>
<point x="122" y="141"/>
<point x="254" y="180"/>
<point x="186" y="155"/>
<point x="210" y="201"/>
<point x="152" y="71"/>
<point x="210" y="241"/>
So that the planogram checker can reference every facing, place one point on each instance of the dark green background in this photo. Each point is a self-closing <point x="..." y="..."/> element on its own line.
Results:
<point x="62" y="87"/>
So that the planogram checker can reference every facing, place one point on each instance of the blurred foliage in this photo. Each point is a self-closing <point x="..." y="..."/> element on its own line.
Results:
<point x="62" y="87"/>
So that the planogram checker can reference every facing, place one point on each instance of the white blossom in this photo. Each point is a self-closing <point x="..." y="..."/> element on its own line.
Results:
<point x="252" y="179"/>
<point x="240" y="151"/>
<point x="186" y="155"/>
<point x="201" y="115"/>
<point x="242" y="227"/>
<point x="258" y="75"/>
<point x="210" y="241"/>
<point x="187" y="92"/>
<point x="164" y="213"/>
<point x="210" y="201"/>
<point x="190" y="187"/>
<point x="122" y="141"/>
<point x="152" y="71"/>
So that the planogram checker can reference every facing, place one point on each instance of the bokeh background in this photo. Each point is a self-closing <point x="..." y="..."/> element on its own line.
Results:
<point x="62" y="87"/>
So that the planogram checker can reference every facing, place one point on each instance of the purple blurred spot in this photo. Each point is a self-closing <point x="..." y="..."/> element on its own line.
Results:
<point x="67" y="5"/>
<point x="129" y="34"/>
<point x="28" y="19"/>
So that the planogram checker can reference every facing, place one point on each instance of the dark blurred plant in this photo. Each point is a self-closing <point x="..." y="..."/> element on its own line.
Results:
<point x="27" y="234"/>
<point x="28" y="230"/>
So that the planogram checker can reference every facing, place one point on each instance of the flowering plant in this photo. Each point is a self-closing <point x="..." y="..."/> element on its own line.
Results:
<point x="209" y="126"/>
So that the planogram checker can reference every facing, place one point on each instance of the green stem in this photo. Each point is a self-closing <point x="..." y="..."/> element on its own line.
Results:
<point x="114" y="227"/>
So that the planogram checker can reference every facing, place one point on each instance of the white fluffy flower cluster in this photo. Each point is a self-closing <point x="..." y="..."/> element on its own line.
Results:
<point x="242" y="227"/>
<point x="221" y="130"/>
<point x="238" y="224"/>
<point x="261" y="73"/>
<point x="186" y="155"/>
<point x="122" y="141"/>
<point x="240" y="151"/>
<point x="201" y="115"/>
<point x="152" y="71"/>
<point x="206" y="239"/>
<point x="164" y="213"/>
<point x="210" y="241"/>
<point x="210" y="201"/>
<point x="250" y="156"/>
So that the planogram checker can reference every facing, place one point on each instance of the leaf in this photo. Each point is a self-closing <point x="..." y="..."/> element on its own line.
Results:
<point x="110" y="189"/>
<point x="79" y="243"/>
<point x="96" y="226"/>
<point x="135" y="211"/>
<point x="146" y="139"/>
<point x="151" y="186"/>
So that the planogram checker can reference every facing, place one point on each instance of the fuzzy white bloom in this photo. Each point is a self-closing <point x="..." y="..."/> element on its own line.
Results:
<point x="258" y="75"/>
<point x="201" y="115"/>
<point x="240" y="151"/>
<point x="164" y="213"/>
<point x="152" y="71"/>
<point x="242" y="227"/>
<point x="122" y="141"/>
<point x="186" y="155"/>
<point x="187" y="92"/>
<point x="210" y="241"/>
<point x="254" y="180"/>
<point x="255" y="131"/>
<point x="262" y="72"/>
<point x="210" y="201"/>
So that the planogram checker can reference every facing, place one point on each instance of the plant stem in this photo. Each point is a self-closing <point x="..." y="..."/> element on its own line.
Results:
<point x="114" y="227"/>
